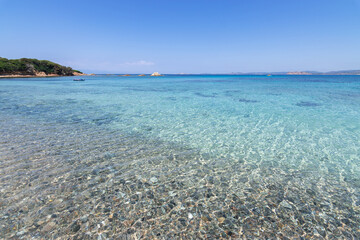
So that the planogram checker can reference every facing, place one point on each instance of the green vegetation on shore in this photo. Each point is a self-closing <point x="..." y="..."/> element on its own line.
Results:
<point x="29" y="66"/>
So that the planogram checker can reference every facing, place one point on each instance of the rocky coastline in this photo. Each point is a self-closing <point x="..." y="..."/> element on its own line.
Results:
<point x="40" y="74"/>
<point x="30" y="67"/>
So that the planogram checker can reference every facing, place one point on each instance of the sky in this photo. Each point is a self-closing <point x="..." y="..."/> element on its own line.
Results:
<point x="184" y="36"/>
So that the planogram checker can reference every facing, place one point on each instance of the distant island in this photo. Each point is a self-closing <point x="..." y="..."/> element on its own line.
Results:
<point x="29" y="67"/>
<point x="347" y="72"/>
<point x="344" y="72"/>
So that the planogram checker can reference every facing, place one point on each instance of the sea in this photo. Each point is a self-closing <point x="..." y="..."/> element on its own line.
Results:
<point x="180" y="157"/>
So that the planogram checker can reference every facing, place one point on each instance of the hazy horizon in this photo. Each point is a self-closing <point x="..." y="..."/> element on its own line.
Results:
<point x="185" y="36"/>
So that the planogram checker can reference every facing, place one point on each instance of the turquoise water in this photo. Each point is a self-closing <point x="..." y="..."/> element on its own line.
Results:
<point x="297" y="136"/>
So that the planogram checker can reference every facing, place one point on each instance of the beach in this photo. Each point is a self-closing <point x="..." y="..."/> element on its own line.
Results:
<point x="202" y="157"/>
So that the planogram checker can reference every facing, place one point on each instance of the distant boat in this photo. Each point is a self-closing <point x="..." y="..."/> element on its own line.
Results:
<point x="79" y="79"/>
<point x="269" y="75"/>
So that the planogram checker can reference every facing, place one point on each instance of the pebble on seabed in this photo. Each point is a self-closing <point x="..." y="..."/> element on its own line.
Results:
<point x="115" y="187"/>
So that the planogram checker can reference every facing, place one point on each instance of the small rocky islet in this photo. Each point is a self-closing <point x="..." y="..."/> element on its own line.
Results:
<point x="92" y="183"/>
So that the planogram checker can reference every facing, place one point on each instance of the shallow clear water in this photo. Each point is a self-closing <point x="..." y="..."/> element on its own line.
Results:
<point x="279" y="150"/>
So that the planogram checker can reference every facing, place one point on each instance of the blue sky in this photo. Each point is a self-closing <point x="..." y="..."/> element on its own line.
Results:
<point x="184" y="36"/>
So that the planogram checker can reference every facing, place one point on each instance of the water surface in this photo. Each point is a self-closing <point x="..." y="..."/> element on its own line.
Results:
<point x="180" y="156"/>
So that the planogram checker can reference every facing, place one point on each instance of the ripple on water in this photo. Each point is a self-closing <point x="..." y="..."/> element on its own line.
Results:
<point x="86" y="182"/>
<point x="135" y="158"/>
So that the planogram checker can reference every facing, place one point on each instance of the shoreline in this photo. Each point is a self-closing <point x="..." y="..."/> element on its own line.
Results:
<point x="28" y="76"/>
<point x="40" y="76"/>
